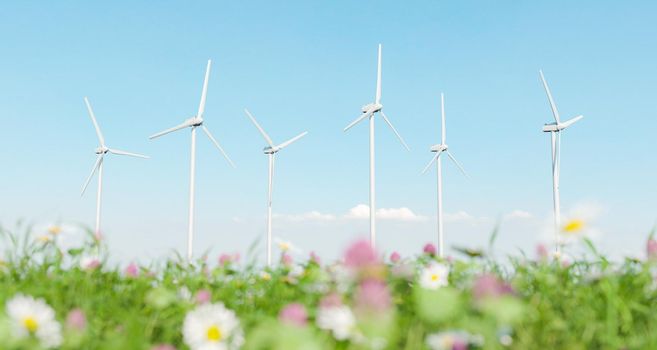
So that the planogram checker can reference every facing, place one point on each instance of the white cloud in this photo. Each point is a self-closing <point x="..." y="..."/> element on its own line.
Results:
<point x="309" y="216"/>
<point x="459" y="216"/>
<point x="362" y="211"/>
<point x="518" y="214"/>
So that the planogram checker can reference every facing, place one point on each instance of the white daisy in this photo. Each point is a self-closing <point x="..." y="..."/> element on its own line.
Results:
<point x="212" y="327"/>
<point x="339" y="320"/>
<point x="434" y="276"/>
<point x="33" y="317"/>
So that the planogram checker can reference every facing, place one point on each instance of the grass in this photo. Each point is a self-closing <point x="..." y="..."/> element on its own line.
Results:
<point x="520" y="304"/>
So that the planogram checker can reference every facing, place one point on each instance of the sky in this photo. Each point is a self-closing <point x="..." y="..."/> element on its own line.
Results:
<point x="310" y="66"/>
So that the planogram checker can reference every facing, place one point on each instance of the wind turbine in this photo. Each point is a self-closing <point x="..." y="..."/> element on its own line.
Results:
<point x="439" y="149"/>
<point x="101" y="151"/>
<point x="369" y="111"/>
<point x="193" y="123"/>
<point x="271" y="151"/>
<point x="555" y="129"/>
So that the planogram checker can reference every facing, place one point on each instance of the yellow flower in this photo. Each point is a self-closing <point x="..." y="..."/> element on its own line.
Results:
<point x="30" y="324"/>
<point x="44" y="238"/>
<point x="214" y="333"/>
<point x="284" y="246"/>
<point x="573" y="226"/>
<point x="265" y="276"/>
<point x="54" y="230"/>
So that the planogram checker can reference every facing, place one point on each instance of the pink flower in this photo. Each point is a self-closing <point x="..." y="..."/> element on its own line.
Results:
<point x="429" y="249"/>
<point x="651" y="249"/>
<point x="294" y="314"/>
<point x="76" y="320"/>
<point x="315" y="258"/>
<point x="131" y="270"/>
<point x="286" y="259"/>
<point x="542" y="252"/>
<point x="163" y="347"/>
<point x="395" y="257"/>
<point x="203" y="296"/>
<point x="330" y="300"/>
<point x="488" y="285"/>
<point x="224" y="259"/>
<point x="372" y="295"/>
<point x="360" y="255"/>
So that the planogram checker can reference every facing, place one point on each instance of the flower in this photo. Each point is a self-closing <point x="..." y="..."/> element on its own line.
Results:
<point x="294" y="314"/>
<point x="372" y="296"/>
<point x="286" y="259"/>
<point x="33" y="317"/>
<point x="315" y="258"/>
<point x="89" y="263"/>
<point x="203" y="296"/>
<point x="360" y="255"/>
<point x="573" y="226"/>
<point x="452" y="340"/>
<point x="212" y="327"/>
<point x="542" y="252"/>
<point x="54" y="230"/>
<point x="651" y="248"/>
<point x="76" y="320"/>
<point x="227" y="259"/>
<point x="395" y="257"/>
<point x="488" y="285"/>
<point x="429" y="249"/>
<point x="265" y="275"/>
<point x="339" y="320"/>
<point x="434" y="276"/>
<point x="132" y="270"/>
<point x="163" y="347"/>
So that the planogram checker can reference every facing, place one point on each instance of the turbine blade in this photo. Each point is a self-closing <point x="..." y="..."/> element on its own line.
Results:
<point x="395" y="131"/>
<point x="93" y="171"/>
<point x="431" y="162"/>
<point x="216" y="143"/>
<point x="442" y="113"/>
<point x="170" y="130"/>
<point x="124" y="153"/>
<point x="292" y="140"/>
<point x="457" y="164"/>
<point x="204" y="93"/>
<point x="262" y="131"/>
<point x="93" y="119"/>
<point x="553" y="106"/>
<point x="572" y="121"/>
<point x="378" y="78"/>
<point x="357" y="120"/>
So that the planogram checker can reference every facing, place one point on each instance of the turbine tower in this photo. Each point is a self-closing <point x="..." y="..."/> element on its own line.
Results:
<point x="101" y="151"/>
<point x="193" y="123"/>
<point x="369" y="111"/>
<point x="271" y="151"/>
<point x="555" y="129"/>
<point x="439" y="149"/>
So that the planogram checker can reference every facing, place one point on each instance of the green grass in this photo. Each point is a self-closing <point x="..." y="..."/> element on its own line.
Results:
<point x="593" y="304"/>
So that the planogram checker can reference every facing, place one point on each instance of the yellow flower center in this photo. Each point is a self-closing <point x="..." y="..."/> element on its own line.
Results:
<point x="434" y="277"/>
<point x="54" y="230"/>
<point x="30" y="324"/>
<point x="284" y="246"/>
<point x="265" y="276"/>
<point x="44" y="239"/>
<point x="573" y="226"/>
<point x="214" y="334"/>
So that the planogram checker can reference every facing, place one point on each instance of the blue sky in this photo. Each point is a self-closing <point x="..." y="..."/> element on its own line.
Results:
<point x="311" y="66"/>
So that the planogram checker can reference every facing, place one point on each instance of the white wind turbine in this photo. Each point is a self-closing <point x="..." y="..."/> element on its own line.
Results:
<point x="369" y="110"/>
<point x="193" y="123"/>
<point x="271" y="151"/>
<point x="555" y="132"/>
<point x="101" y="151"/>
<point x="439" y="149"/>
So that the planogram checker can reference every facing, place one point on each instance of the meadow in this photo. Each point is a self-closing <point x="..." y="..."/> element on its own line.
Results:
<point x="54" y="298"/>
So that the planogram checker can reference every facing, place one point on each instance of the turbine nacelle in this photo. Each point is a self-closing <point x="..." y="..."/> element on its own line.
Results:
<point x="556" y="127"/>
<point x="372" y="108"/>
<point x="270" y="150"/>
<point x="194" y="121"/>
<point x="102" y="150"/>
<point x="439" y="148"/>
